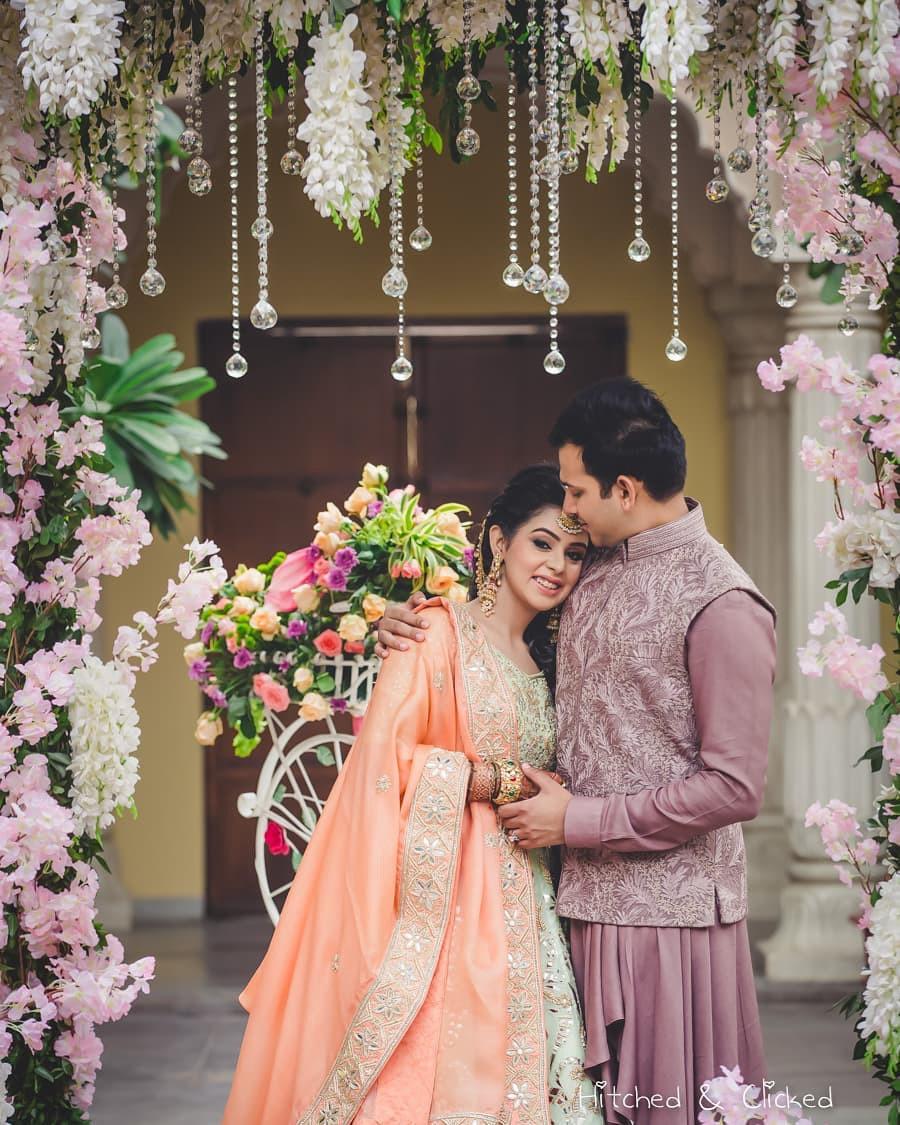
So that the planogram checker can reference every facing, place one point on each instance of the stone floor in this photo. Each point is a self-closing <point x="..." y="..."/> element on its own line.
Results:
<point x="170" y="1060"/>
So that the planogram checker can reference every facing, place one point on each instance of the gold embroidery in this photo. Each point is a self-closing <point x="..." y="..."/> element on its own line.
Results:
<point x="430" y="857"/>
<point x="494" y="729"/>
<point x="335" y="962"/>
<point x="438" y="680"/>
<point x="383" y="783"/>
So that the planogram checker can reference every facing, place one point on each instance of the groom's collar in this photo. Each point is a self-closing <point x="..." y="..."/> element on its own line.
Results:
<point x="686" y="529"/>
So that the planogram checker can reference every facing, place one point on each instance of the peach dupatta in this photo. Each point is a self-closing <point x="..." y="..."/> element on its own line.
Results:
<point x="402" y="985"/>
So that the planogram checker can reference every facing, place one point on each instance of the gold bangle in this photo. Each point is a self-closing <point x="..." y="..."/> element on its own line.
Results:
<point x="511" y="780"/>
<point x="481" y="782"/>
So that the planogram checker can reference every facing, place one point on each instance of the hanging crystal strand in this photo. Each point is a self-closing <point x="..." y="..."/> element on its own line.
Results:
<point x="190" y="139"/>
<point x="236" y="365"/>
<point x="468" y="89"/>
<point x="639" y="247"/>
<point x="292" y="161"/>
<point x="263" y="314"/>
<point x="849" y="241"/>
<point x="786" y="295"/>
<point x="513" y="275"/>
<point x="152" y="282"/>
<point x="116" y="294"/>
<point x="199" y="172"/>
<point x="676" y="349"/>
<point x="420" y="237"/>
<point x="763" y="243"/>
<point x="717" y="188"/>
<point x="535" y="276"/>
<point x="90" y="335"/>
<point x="556" y="291"/>
<point x="739" y="159"/>
<point x="568" y="157"/>
<point x="394" y="282"/>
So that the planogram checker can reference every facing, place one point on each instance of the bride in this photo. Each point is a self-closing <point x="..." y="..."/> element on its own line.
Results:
<point x="419" y="973"/>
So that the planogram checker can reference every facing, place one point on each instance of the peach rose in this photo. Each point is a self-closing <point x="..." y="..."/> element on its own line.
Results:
<point x="208" y="728"/>
<point x="373" y="607"/>
<point x="314" y="707"/>
<point x="358" y="500"/>
<point x="373" y="475"/>
<point x="303" y="680"/>
<point x="306" y="598"/>
<point x="439" y="581"/>
<point x="352" y="627"/>
<point x="274" y="695"/>
<point x="457" y="593"/>
<point x="328" y="643"/>
<point x="249" y="581"/>
<point x="328" y="542"/>
<point x="192" y="652"/>
<point x="330" y="520"/>
<point x="231" y="642"/>
<point x="449" y="523"/>
<point x="265" y="619"/>
<point x="242" y="606"/>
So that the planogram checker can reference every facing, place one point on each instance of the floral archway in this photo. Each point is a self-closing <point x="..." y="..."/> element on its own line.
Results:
<point x="815" y="88"/>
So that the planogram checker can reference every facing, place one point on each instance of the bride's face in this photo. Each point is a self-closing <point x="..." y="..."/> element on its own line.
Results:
<point x="541" y="562"/>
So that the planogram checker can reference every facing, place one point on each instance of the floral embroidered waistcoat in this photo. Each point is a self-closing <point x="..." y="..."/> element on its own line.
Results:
<point x="626" y="723"/>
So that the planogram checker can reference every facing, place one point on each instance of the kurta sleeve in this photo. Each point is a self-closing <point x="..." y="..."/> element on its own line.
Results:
<point x="731" y="664"/>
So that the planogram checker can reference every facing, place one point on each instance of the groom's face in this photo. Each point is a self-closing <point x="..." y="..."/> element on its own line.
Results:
<point x="605" y="518"/>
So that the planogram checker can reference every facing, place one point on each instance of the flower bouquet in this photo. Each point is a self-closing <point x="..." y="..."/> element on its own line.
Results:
<point x="280" y="634"/>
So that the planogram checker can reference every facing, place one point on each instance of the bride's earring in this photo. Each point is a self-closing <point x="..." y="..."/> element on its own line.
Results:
<point x="487" y="595"/>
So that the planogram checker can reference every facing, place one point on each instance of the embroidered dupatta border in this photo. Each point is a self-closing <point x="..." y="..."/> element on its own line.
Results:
<point x="430" y="858"/>
<point x="495" y="734"/>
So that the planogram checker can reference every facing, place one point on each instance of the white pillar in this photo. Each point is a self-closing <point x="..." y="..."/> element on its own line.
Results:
<point x="754" y="329"/>
<point x="825" y="727"/>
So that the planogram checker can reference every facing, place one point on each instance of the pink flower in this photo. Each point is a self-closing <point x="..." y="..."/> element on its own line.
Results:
<point x="274" y="695"/>
<point x="891" y="745"/>
<point x="847" y="660"/>
<point x="296" y="570"/>
<point x="276" y="841"/>
<point x="411" y="569"/>
<point x="328" y="643"/>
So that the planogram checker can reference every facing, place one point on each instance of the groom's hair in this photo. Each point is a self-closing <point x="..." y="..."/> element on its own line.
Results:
<point x="623" y="429"/>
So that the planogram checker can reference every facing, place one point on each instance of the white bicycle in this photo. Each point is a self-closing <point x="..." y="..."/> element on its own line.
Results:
<point x="285" y="793"/>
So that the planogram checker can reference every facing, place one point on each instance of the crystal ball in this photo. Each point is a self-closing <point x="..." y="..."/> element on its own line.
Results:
<point x="513" y="275"/>
<point x="468" y="88"/>
<point x="420" y="238"/>
<point x="401" y="369"/>
<point x="639" y="250"/>
<point x="263" y="315"/>
<point x="676" y="349"/>
<point x="739" y="159"/>
<point x="236" y="366"/>
<point x="90" y="337"/>
<point x="535" y="279"/>
<point x="394" y="282"/>
<point x="191" y="141"/>
<point x="199" y="176"/>
<point x="116" y="297"/>
<point x="262" y="228"/>
<point x="716" y="190"/>
<point x="554" y="362"/>
<point x="467" y="141"/>
<point x="786" y="295"/>
<point x="556" y="291"/>
<point x="763" y="244"/>
<point x="848" y="325"/>
<point x="152" y="282"/>
<point x="292" y="162"/>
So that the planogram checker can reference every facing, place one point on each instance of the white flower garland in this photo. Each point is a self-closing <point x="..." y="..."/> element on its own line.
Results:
<point x="881" y="1016"/>
<point x="105" y="737"/>
<point x="834" y="26"/>
<point x="446" y="17"/>
<point x="883" y="26"/>
<point x="672" y="32"/>
<point x="781" y="44"/>
<point x="596" y="31"/>
<point x="70" y="51"/>
<point x="338" y="129"/>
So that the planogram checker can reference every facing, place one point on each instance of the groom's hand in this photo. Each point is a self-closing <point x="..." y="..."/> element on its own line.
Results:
<point x="539" y="821"/>
<point x="399" y="622"/>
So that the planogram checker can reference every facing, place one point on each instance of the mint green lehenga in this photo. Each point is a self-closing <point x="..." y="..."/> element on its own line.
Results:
<point x="573" y="1099"/>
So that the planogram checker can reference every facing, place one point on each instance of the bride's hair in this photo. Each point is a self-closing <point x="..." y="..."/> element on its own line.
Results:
<point x="524" y="496"/>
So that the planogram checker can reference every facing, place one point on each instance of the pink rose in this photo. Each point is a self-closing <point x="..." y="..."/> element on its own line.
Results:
<point x="231" y="642"/>
<point x="411" y="569"/>
<point x="274" y="695"/>
<point x="276" y="841"/>
<point x="328" y="643"/>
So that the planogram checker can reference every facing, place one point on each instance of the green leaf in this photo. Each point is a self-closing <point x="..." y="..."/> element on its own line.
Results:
<point x="324" y="755"/>
<point x="859" y="588"/>
<point x="325" y="683"/>
<point x="244" y="745"/>
<point x="114" y="335"/>
<point x="878" y="715"/>
<point x="830" y="293"/>
<point x="295" y="858"/>
<point x="395" y="7"/>
<point x="139" y="431"/>
<point x="842" y="596"/>
<point x="121" y="469"/>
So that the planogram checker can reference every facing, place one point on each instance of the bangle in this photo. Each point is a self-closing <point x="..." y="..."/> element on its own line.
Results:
<point x="481" y="783"/>
<point x="510" y="781"/>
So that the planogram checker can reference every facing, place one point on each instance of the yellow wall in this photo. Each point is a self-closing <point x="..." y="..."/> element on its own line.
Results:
<point x="317" y="271"/>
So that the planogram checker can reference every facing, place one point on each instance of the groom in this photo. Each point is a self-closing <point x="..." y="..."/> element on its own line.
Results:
<point x="665" y="668"/>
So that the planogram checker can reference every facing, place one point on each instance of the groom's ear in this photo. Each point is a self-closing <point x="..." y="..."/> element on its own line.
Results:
<point x="627" y="489"/>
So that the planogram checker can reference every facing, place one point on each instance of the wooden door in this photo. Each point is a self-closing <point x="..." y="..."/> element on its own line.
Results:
<point x="317" y="402"/>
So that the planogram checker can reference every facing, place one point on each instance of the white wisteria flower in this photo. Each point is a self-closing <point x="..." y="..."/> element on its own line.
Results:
<point x="105" y="732"/>
<point x="338" y="129"/>
<point x="834" y="25"/>
<point x="286" y="17"/>
<point x="781" y="43"/>
<point x="672" y="32"/>
<point x="70" y="51"/>
<point x="597" y="30"/>
<point x="878" y="45"/>
<point x="446" y="17"/>
<point x="860" y="540"/>
<point x="881" y="1016"/>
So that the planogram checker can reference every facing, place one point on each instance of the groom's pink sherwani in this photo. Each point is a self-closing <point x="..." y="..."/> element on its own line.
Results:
<point x="666" y="665"/>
